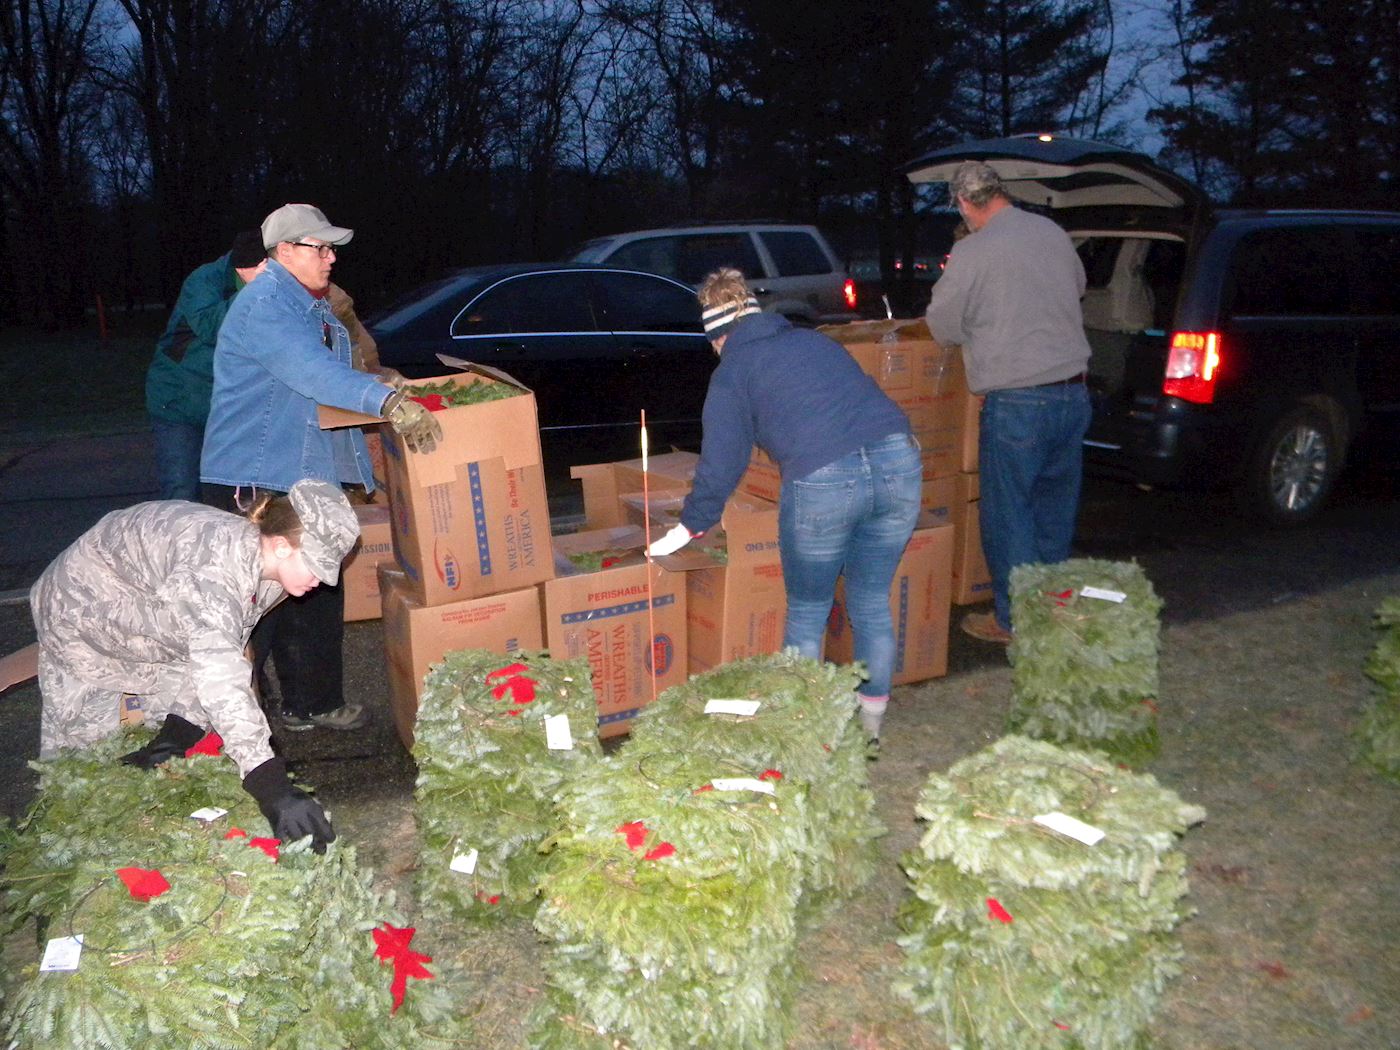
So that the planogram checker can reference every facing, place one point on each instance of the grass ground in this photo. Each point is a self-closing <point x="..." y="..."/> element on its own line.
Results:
<point x="77" y="381"/>
<point x="1295" y="874"/>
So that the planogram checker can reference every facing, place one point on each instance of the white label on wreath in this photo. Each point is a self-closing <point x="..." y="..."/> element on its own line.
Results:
<point x="556" y="733"/>
<point x="747" y="708"/>
<point x="1104" y="595"/>
<point x="464" y="862"/>
<point x="1070" y="826"/>
<point x="742" y="784"/>
<point x="62" y="953"/>
<point x="209" y="813"/>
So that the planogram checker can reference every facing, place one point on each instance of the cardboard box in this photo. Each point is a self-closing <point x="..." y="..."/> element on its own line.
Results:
<point x="972" y="580"/>
<point x="919" y="602"/>
<point x="359" y="574"/>
<point x="417" y="636"/>
<point x="604" y="483"/>
<point x="735" y="607"/>
<point x="627" y="619"/>
<point x="763" y="478"/>
<point x="471" y="517"/>
<point x="939" y="499"/>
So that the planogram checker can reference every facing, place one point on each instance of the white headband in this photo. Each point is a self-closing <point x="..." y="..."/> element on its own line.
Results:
<point x="718" y="319"/>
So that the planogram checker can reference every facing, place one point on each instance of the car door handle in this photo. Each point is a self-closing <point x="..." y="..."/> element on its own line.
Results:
<point x="763" y="291"/>
<point x="514" y="349"/>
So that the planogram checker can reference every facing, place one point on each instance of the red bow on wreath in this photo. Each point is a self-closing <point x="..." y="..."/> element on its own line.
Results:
<point x="209" y="744"/>
<point x="520" y="688"/>
<point x="392" y="945"/>
<point x="143" y="885"/>
<point x="636" y="834"/>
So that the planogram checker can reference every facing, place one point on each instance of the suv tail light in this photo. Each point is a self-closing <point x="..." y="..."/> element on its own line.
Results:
<point x="849" y="291"/>
<point x="1192" y="366"/>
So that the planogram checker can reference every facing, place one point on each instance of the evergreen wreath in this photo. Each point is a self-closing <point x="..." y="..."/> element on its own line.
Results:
<point x="487" y="779"/>
<point x="1018" y="936"/>
<point x="1084" y="668"/>
<point x="201" y="934"/>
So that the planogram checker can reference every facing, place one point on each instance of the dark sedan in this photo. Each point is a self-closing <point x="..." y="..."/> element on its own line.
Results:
<point x="596" y="345"/>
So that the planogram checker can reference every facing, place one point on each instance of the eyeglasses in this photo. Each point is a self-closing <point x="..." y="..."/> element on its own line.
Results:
<point x="325" y="251"/>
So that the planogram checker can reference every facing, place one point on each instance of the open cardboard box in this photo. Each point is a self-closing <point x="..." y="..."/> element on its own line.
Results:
<point x="604" y="483"/>
<point x="627" y="618"/>
<point x="469" y="518"/>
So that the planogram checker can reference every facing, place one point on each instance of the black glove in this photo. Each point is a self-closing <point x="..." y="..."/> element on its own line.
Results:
<point x="292" y="813"/>
<point x="176" y="737"/>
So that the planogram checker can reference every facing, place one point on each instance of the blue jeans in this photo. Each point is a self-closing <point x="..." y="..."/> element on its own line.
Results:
<point x="854" y="515"/>
<point x="177" y="448"/>
<point x="1032" y="462"/>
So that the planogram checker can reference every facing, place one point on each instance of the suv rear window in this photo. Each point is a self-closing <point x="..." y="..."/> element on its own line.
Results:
<point x="690" y="257"/>
<point x="795" y="253"/>
<point x="1291" y="272"/>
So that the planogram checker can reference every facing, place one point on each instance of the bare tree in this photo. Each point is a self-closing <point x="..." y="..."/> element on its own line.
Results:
<point x="47" y="104"/>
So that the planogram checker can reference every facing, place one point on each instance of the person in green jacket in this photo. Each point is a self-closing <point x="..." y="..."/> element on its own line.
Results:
<point x="181" y="377"/>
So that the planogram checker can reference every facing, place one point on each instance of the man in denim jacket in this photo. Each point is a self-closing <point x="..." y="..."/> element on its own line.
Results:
<point x="280" y="354"/>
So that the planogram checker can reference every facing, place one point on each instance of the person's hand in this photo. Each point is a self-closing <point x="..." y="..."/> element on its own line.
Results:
<point x="673" y="541"/>
<point x="176" y="736"/>
<point x="412" y="422"/>
<point x="292" y="813"/>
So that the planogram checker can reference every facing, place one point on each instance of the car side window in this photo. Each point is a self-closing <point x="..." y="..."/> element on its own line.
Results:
<point x="794" y="253"/>
<point x="532" y="303"/>
<point x="1378" y="275"/>
<point x="634" y="302"/>
<point x="1296" y="271"/>
<point x="701" y="254"/>
<point x="652" y="254"/>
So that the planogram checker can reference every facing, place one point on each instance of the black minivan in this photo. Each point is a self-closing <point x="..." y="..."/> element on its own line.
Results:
<point x="1243" y="348"/>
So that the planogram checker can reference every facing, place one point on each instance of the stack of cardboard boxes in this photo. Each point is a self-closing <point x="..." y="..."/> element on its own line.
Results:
<point x="469" y="529"/>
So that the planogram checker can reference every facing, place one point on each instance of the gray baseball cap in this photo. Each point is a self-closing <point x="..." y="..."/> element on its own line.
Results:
<point x="292" y="222"/>
<point x="329" y="527"/>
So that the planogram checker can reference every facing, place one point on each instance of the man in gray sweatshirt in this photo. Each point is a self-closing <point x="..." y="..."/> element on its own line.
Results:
<point x="1010" y="297"/>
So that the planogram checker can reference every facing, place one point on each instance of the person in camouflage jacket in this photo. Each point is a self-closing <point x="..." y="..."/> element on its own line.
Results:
<point x="159" y="600"/>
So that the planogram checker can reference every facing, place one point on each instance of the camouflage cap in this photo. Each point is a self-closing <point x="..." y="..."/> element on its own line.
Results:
<point x="329" y="527"/>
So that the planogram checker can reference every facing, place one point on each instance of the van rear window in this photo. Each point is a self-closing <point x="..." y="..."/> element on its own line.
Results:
<point x="1298" y="271"/>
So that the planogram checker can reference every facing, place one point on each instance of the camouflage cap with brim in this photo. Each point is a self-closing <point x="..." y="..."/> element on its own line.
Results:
<point x="329" y="527"/>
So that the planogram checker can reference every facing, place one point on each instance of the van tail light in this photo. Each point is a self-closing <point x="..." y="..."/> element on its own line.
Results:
<point x="849" y="291"/>
<point x="1193" y="364"/>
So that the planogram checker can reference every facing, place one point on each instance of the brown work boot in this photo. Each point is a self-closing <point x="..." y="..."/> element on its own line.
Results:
<point x="984" y="627"/>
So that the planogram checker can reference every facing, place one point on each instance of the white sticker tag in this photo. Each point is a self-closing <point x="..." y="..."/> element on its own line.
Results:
<point x="1104" y="595"/>
<point x="62" y="953"/>
<point x="464" y="862"/>
<point x="747" y="708"/>
<point x="556" y="733"/>
<point x="209" y="813"/>
<point x="1070" y="826"/>
<point x="742" y="784"/>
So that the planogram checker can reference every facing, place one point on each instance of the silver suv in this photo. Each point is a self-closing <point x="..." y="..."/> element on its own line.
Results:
<point x="792" y="269"/>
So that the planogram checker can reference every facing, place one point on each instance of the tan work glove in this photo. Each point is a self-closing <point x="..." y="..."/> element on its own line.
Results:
<point x="412" y="422"/>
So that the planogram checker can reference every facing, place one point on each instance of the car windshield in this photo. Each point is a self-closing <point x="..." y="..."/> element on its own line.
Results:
<point x="415" y="303"/>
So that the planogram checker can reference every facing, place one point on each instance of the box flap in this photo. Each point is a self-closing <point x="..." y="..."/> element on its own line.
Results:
<point x="19" y="666"/>
<point x="480" y="369"/>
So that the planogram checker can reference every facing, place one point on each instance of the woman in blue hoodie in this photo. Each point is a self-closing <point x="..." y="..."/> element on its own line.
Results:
<point x="851" y="472"/>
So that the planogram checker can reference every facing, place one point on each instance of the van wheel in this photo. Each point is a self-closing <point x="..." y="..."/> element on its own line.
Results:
<point x="1291" y="473"/>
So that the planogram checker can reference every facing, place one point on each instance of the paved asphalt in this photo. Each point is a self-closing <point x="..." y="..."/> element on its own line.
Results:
<point x="1203" y="558"/>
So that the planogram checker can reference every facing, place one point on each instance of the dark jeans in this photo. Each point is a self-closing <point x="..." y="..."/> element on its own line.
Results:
<point x="177" y="448"/>
<point x="1032" y="461"/>
<point x="854" y="515"/>
<point x="305" y="635"/>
